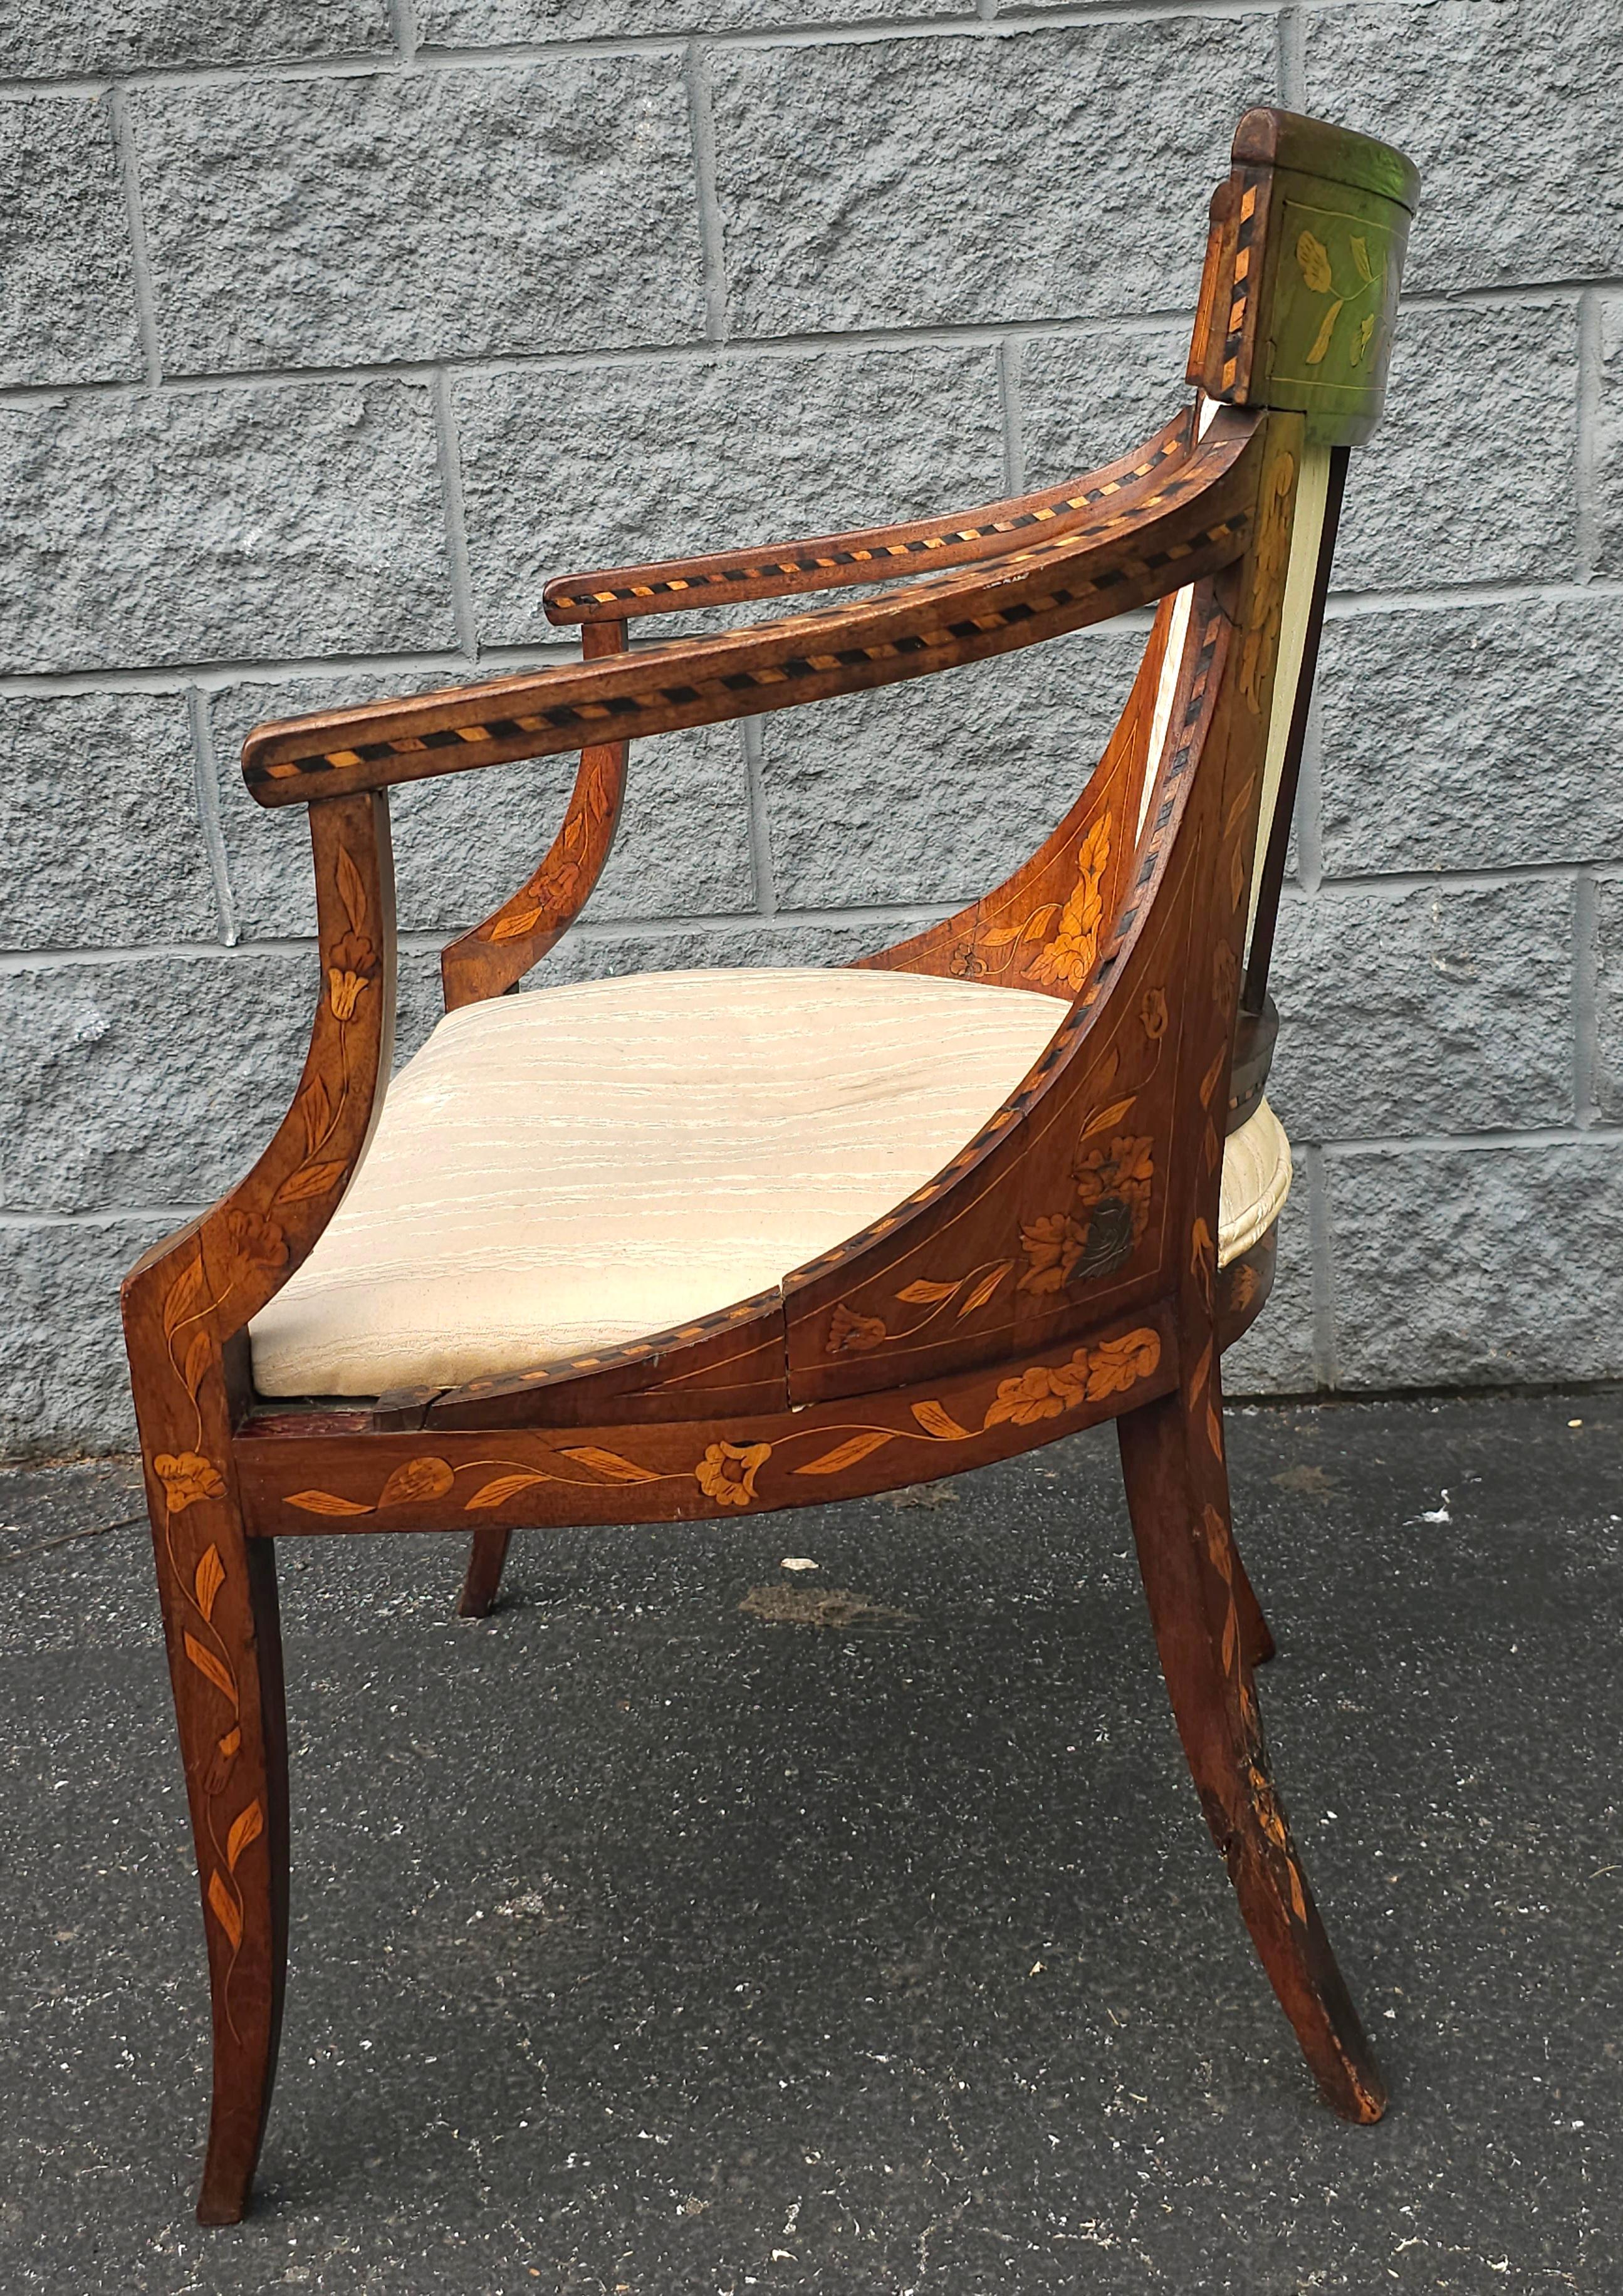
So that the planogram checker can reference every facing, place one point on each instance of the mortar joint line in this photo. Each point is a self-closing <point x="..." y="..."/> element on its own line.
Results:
<point x="1584" y="454"/>
<point x="701" y="131"/>
<point x="449" y="455"/>
<point x="140" y="267"/>
<point x="1326" y="1369"/>
<point x="403" y="30"/>
<point x="1292" y="58"/>
<point x="1586" y="989"/>
<point x="1013" y="428"/>
<point x="207" y="781"/>
<point x="764" y="882"/>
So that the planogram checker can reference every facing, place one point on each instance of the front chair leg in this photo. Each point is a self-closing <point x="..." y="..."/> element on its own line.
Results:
<point x="486" y="1557"/>
<point x="1177" y="1496"/>
<point x="224" y="1638"/>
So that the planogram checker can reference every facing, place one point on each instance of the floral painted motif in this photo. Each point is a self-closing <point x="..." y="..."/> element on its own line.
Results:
<point x="728" y="1472"/>
<point x="1351" y="295"/>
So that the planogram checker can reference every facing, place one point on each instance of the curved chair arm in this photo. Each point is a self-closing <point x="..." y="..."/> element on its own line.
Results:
<point x="190" y="1296"/>
<point x="1191" y="524"/>
<point x="501" y="949"/>
<point x="879" y="554"/>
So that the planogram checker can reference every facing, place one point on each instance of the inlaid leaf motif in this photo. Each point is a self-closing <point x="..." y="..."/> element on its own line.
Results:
<point x="1313" y="261"/>
<point x="325" y="1503"/>
<point x="1103" y="1119"/>
<point x="1321" y="342"/>
<point x="182" y="1297"/>
<point x="1298" y="1903"/>
<point x="1361" y="341"/>
<point x="225" y="1752"/>
<point x="1033" y="929"/>
<point x="198" y="1355"/>
<point x="316" y="1109"/>
<point x="224" y="1907"/>
<point x="309" y="1180"/>
<point x="1359" y="247"/>
<point x="210" y="1577"/>
<point x="351" y="891"/>
<point x="212" y="1668"/>
<point x="516" y="926"/>
<point x="416" y="1480"/>
<point x="246" y="1827"/>
<point x="923" y="1294"/>
<point x="611" y="1464"/>
<point x="846" y="1455"/>
<point x="937" y="1420"/>
<point x="503" y="1488"/>
<point x="984" y="1289"/>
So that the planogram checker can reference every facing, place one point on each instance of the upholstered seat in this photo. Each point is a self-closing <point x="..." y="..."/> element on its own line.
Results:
<point x="561" y="1172"/>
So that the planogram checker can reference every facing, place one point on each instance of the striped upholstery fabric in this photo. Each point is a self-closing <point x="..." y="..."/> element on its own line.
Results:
<point x="559" y="1172"/>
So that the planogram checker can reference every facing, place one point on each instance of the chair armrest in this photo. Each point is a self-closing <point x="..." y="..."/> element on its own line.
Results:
<point x="879" y="554"/>
<point x="1192" y="524"/>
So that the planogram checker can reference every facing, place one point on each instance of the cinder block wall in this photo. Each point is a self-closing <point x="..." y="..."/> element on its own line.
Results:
<point x="332" y="327"/>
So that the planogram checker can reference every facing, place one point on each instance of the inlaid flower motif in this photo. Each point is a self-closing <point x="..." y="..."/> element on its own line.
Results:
<point x="1152" y="1014"/>
<point x="1053" y="1245"/>
<point x="728" y="1472"/>
<point x="851" y="1334"/>
<point x="1040" y="1392"/>
<point x="258" y="1242"/>
<point x="353" y="959"/>
<point x="187" y="1476"/>
<point x="1067" y="960"/>
<point x="1121" y="1174"/>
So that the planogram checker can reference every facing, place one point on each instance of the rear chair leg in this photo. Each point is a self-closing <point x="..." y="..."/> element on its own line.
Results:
<point x="1177" y="1495"/>
<point x="486" y="1557"/>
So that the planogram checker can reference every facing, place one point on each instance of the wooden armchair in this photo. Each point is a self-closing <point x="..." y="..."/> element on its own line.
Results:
<point x="687" y="1245"/>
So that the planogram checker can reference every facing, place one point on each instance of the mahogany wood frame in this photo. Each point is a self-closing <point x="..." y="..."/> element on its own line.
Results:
<point x="1061" y="1270"/>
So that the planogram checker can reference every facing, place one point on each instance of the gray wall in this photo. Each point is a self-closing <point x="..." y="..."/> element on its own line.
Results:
<point x="331" y="328"/>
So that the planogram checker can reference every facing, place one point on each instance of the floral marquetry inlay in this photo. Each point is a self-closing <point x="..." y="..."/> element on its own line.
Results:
<point x="1333" y="325"/>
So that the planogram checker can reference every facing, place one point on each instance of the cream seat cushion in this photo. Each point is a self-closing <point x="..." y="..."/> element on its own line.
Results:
<point x="557" y="1173"/>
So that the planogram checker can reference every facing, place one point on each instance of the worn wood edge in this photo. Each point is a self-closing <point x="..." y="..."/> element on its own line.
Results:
<point x="1269" y="137"/>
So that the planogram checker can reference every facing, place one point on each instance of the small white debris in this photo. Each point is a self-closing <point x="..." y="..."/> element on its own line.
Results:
<point x="798" y="1563"/>
<point x="1574" y="1423"/>
<point x="1437" y="1515"/>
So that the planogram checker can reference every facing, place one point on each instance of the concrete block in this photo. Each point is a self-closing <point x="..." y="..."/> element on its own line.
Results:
<point x="1471" y="476"/>
<point x="154" y="1081"/>
<point x="330" y="222"/>
<point x="1608" y="485"/>
<point x="1408" y="1012"/>
<point x="903" y="183"/>
<point x="703" y="947"/>
<point x="492" y="23"/>
<point x="41" y="39"/>
<point x="466" y="841"/>
<point x="67" y="289"/>
<point x="933" y="790"/>
<point x="1468" y="737"/>
<point x="220" y="525"/>
<point x="101" y="844"/>
<point x="64" y="1384"/>
<point x="1278" y="1355"/>
<point x="1506" y="109"/>
<point x="1477" y="1266"/>
<point x="575" y="469"/>
<point x="1085" y="399"/>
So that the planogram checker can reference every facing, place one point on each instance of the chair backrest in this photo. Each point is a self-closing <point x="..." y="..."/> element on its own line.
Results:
<point x="1298" y="302"/>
